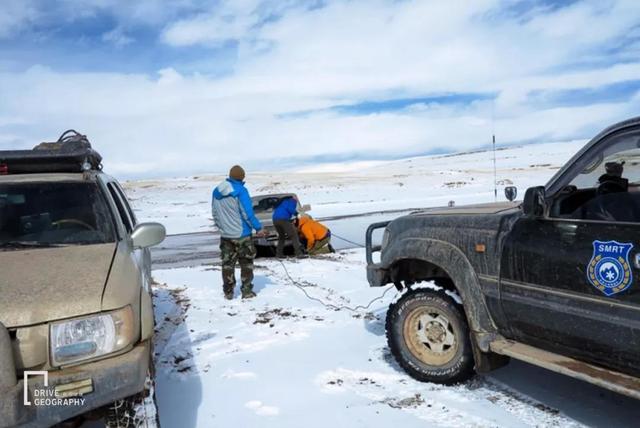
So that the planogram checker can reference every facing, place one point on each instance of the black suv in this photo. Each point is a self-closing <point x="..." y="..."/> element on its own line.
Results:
<point x="552" y="281"/>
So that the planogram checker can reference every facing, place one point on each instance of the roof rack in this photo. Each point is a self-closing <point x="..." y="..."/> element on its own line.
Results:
<point x="71" y="153"/>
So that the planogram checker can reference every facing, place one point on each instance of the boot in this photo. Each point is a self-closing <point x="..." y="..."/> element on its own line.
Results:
<point x="248" y="294"/>
<point x="228" y="293"/>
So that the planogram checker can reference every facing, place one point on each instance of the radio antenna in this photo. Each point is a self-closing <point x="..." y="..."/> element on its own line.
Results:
<point x="493" y="135"/>
<point x="495" y="171"/>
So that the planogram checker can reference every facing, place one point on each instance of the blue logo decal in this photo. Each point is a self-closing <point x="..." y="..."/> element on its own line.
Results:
<point x="609" y="269"/>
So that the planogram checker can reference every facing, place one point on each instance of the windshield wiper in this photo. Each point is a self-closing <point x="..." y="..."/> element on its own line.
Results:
<point x="29" y="244"/>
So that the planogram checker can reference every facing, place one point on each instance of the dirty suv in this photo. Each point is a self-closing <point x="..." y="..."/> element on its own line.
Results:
<point x="76" y="316"/>
<point x="552" y="281"/>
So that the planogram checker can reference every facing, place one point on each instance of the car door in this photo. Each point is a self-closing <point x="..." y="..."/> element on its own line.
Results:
<point x="569" y="279"/>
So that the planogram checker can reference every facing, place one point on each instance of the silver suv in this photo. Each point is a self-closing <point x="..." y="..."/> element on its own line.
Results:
<point x="75" y="299"/>
<point x="263" y="206"/>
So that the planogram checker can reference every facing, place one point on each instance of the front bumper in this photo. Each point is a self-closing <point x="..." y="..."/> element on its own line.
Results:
<point x="270" y="241"/>
<point x="376" y="274"/>
<point x="111" y="379"/>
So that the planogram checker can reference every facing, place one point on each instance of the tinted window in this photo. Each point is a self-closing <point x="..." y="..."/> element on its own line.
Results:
<point x="54" y="213"/>
<point x="124" y="216"/>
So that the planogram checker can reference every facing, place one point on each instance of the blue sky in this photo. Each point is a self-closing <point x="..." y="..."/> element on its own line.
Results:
<point x="189" y="86"/>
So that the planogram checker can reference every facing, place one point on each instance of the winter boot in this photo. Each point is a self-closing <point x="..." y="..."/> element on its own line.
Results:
<point x="248" y="294"/>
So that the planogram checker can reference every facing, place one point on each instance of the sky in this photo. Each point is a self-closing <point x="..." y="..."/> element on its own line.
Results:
<point x="183" y="87"/>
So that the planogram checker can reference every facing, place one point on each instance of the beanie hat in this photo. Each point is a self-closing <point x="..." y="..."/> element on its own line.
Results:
<point x="237" y="173"/>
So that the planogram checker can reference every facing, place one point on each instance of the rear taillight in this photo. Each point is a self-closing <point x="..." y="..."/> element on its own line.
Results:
<point x="4" y="169"/>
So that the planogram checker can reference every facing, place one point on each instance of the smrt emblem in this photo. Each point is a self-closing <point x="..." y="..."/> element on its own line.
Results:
<point x="609" y="269"/>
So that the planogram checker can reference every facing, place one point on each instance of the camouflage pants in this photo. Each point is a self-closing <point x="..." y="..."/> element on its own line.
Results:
<point x="234" y="251"/>
<point x="321" y="246"/>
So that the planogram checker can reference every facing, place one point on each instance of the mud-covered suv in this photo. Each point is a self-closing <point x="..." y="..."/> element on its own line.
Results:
<point x="76" y="316"/>
<point x="552" y="281"/>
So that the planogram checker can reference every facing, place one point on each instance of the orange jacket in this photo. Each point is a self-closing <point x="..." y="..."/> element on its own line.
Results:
<point x="312" y="230"/>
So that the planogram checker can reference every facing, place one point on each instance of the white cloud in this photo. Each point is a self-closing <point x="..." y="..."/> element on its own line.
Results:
<point x="346" y="51"/>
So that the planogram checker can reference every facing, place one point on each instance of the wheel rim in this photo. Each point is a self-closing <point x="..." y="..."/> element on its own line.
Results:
<point x="430" y="336"/>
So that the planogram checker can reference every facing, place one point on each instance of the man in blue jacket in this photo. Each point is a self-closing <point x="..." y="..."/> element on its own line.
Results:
<point x="233" y="215"/>
<point x="282" y="217"/>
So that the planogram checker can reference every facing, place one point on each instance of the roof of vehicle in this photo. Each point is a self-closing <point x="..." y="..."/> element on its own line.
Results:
<point x="72" y="152"/>
<point x="47" y="177"/>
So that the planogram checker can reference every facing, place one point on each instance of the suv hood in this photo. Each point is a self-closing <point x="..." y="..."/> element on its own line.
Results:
<point x="47" y="284"/>
<point x="492" y="208"/>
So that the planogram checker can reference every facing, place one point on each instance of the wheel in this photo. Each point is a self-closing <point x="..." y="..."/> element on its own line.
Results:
<point x="133" y="412"/>
<point x="429" y="337"/>
<point x="139" y="410"/>
<point x="265" y="251"/>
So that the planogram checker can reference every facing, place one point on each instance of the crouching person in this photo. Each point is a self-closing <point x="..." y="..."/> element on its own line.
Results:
<point x="233" y="215"/>
<point x="316" y="235"/>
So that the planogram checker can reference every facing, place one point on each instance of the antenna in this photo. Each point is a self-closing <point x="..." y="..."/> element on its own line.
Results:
<point x="493" y="135"/>
<point x="495" y="171"/>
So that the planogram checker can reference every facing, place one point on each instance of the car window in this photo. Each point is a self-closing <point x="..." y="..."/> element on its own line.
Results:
<point x="127" y="206"/>
<point x="73" y="213"/>
<point x="122" y="211"/>
<point x="265" y="204"/>
<point x="608" y="188"/>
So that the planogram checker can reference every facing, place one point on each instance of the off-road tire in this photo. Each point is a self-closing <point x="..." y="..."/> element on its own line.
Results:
<point x="455" y="362"/>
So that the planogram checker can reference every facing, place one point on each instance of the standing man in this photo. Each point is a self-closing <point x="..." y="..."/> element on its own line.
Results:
<point x="282" y="217"/>
<point x="233" y="215"/>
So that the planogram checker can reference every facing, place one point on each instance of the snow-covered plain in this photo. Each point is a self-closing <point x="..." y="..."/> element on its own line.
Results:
<point x="184" y="204"/>
<point x="284" y="360"/>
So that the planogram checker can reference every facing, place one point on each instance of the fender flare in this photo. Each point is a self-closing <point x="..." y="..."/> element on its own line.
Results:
<point x="451" y="260"/>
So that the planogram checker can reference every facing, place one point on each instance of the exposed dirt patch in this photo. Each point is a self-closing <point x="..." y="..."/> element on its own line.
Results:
<point x="268" y="316"/>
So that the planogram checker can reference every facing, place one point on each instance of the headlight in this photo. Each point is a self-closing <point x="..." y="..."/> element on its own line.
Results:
<point x="90" y="337"/>
<point x="385" y="239"/>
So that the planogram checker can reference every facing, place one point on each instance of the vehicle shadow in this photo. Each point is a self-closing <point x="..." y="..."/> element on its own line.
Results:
<point x="178" y="383"/>
<point x="579" y="400"/>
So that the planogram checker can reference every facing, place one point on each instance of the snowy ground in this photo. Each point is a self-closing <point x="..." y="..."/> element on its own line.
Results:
<point x="284" y="360"/>
<point x="184" y="204"/>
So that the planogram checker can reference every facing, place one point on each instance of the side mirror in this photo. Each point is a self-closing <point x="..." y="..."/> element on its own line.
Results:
<point x="147" y="235"/>
<point x="511" y="193"/>
<point x="534" y="202"/>
<point x="305" y="208"/>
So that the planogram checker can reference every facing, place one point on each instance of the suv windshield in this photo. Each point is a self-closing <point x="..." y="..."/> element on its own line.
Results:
<point x="60" y="213"/>
<point x="267" y="203"/>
